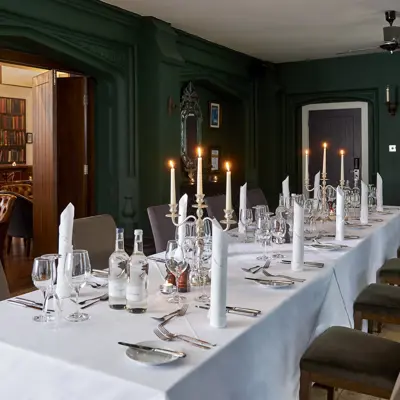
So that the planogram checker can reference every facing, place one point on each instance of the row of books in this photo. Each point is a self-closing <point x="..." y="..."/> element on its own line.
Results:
<point x="12" y="155"/>
<point x="12" y="122"/>
<point x="12" y="138"/>
<point x="12" y="106"/>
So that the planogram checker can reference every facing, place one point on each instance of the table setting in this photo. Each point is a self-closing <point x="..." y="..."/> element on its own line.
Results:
<point x="225" y="312"/>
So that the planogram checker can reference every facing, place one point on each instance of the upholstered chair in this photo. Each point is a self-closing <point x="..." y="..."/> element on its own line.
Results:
<point x="7" y="202"/>
<point x="23" y="189"/>
<point x="256" y="197"/>
<point x="215" y="207"/>
<point x="162" y="227"/>
<point x="96" y="235"/>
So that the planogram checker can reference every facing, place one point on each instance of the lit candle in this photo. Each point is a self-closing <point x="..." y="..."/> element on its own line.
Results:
<point x="387" y="94"/>
<point x="228" y="204"/>
<point x="342" y="166"/>
<point x="324" y="161"/>
<point x="199" y="172"/>
<point x="306" y="166"/>
<point x="173" y="193"/>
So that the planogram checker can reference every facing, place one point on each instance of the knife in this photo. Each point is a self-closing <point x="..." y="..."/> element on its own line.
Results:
<point x="229" y="310"/>
<point x="18" y="303"/>
<point x="153" y="349"/>
<point x="35" y="303"/>
<point x="309" y="263"/>
<point x="244" y="309"/>
<point x="270" y="280"/>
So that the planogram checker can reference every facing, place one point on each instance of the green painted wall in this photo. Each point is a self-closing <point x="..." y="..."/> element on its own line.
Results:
<point x="349" y="78"/>
<point x="138" y="63"/>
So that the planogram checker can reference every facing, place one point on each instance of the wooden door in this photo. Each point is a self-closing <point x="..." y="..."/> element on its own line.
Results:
<point x="45" y="218"/>
<point x="341" y="129"/>
<point x="72" y="144"/>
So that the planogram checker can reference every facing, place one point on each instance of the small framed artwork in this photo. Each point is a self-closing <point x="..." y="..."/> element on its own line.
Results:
<point x="29" y="137"/>
<point x="214" y="115"/>
<point x="215" y="155"/>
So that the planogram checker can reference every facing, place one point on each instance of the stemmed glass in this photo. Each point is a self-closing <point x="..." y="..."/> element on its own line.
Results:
<point x="279" y="232"/>
<point x="263" y="236"/>
<point x="204" y="268"/>
<point x="176" y="264"/>
<point x="42" y="277"/>
<point x="77" y="271"/>
<point x="246" y="218"/>
<point x="52" y="291"/>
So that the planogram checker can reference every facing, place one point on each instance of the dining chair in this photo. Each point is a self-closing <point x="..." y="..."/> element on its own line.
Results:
<point x="350" y="359"/>
<point x="4" y="291"/>
<point x="162" y="227"/>
<point x="7" y="202"/>
<point x="96" y="235"/>
<point x="256" y="197"/>
<point x="389" y="273"/>
<point x="215" y="207"/>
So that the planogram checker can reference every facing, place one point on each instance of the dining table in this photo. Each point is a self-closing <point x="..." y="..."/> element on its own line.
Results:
<point x="255" y="358"/>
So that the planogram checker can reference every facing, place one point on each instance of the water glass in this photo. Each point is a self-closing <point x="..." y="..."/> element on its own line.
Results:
<point x="42" y="278"/>
<point x="263" y="237"/>
<point x="204" y="268"/>
<point x="278" y="232"/>
<point x="176" y="264"/>
<point x="77" y="271"/>
<point x="246" y="218"/>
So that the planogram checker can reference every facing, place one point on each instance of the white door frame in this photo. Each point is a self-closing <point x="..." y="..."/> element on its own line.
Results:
<point x="337" y="106"/>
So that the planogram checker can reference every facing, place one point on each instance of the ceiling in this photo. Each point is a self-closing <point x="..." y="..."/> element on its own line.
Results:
<point x="275" y="30"/>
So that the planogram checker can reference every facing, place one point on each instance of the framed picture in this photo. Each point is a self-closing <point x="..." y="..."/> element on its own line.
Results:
<point x="215" y="155"/>
<point x="214" y="115"/>
<point x="29" y="137"/>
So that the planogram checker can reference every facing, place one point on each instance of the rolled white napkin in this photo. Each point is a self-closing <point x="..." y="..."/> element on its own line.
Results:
<point x="285" y="188"/>
<point x="242" y="206"/>
<point x="364" y="203"/>
<point x="63" y="290"/>
<point x="379" y="192"/>
<point x="218" y="276"/>
<point x="182" y="211"/>
<point x="317" y="180"/>
<point x="339" y="214"/>
<point x="298" y="237"/>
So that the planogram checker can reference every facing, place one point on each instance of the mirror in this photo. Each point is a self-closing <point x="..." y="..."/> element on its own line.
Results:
<point x="191" y="127"/>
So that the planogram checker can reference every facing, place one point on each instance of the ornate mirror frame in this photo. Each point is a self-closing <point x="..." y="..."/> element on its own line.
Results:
<point x="190" y="107"/>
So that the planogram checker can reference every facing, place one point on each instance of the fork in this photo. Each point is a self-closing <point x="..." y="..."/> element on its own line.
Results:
<point x="283" y="276"/>
<point x="164" y="317"/>
<point x="257" y="268"/>
<point x="162" y="331"/>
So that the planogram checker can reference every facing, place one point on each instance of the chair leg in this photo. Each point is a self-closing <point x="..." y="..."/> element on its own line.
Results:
<point x="358" y="320"/>
<point x="28" y="247"/>
<point x="305" y="386"/>
<point x="370" y="326"/>
<point x="331" y="393"/>
<point x="9" y="242"/>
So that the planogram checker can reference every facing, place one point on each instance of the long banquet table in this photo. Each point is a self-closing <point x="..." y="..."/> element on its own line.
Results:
<point x="256" y="358"/>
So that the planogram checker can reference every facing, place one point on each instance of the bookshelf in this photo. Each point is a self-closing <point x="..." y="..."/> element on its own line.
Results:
<point x="12" y="130"/>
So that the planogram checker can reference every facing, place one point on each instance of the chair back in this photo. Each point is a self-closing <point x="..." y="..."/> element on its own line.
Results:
<point x="256" y="197"/>
<point x="215" y="207"/>
<point x="162" y="227"/>
<point x="23" y="189"/>
<point x="7" y="202"/>
<point x="21" y="221"/>
<point x="4" y="291"/>
<point x="96" y="235"/>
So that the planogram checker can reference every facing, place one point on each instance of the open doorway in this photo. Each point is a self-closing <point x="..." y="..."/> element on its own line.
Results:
<point x="46" y="154"/>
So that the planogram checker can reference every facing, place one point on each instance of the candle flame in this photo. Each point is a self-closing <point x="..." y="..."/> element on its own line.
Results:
<point x="228" y="166"/>
<point x="171" y="164"/>
<point x="307" y="152"/>
<point x="342" y="152"/>
<point x="325" y="145"/>
<point x="199" y="151"/>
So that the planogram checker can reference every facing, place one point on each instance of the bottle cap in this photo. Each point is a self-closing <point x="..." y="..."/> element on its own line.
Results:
<point x="138" y="232"/>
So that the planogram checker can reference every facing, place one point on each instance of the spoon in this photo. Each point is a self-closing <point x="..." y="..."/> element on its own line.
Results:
<point x="102" y="298"/>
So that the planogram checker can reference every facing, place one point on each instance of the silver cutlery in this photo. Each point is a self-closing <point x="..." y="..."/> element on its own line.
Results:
<point x="157" y="259"/>
<point x="189" y="339"/>
<point x="271" y="281"/>
<point x="356" y="225"/>
<point x="169" y="338"/>
<point x="164" y="317"/>
<point x="27" y="305"/>
<point x="35" y="303"/>
<point x="257" y="268"/>
<point x="245" y="309"/>
<point x="346" y="237"/>
<point x="179" y="354"/>
<point x="100" y="273"/>
<point x="95" y="285"/>
<point x="102" y="298"/>
<point x="231" y="310"/>
<point x="283" y="276"/>
<point x="81" y="303"/>
<point x="330" y="244"/>
<point x="307" y="263"/>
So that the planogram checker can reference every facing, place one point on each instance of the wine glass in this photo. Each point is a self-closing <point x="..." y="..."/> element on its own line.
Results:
<point x="176" y="264"/>
<point x="279" y="232"/>
<point x="42" y="277"/>
<point x="204" y="268"/>
<point x="52" y="291"/>
<point x="246" y="218"/>
<point x="263" y="236"/>
<point x="77" y="271"/>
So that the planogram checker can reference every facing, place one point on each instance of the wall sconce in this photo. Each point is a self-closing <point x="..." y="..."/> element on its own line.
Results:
<point x="391" y="100"/>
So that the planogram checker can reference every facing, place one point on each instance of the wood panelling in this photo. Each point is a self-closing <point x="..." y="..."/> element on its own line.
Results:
<point x="71" y="146"/>
<point x="45" y="218"/>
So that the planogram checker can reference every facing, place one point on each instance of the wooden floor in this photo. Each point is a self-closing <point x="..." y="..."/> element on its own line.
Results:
<point x="18" y="268"/>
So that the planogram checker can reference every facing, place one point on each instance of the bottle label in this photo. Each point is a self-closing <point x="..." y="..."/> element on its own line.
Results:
<point x="135" y="293"/>
<point x="117" y="289"/>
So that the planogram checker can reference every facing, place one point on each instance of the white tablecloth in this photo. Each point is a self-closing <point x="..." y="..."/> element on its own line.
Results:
<point x="256" y="358"/>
